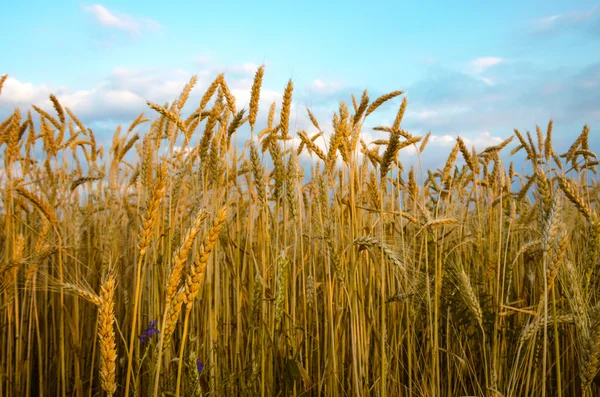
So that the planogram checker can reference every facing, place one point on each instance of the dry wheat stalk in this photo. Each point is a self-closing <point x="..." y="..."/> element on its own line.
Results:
<point x="388" y="253"/>
<point x="210" y="92"/>
<point x="593" y="250"/>
<point x="195" y="277"/>
<point x="46" y="116"/>
<point x="172" y="116"/>
<point x="465" y="153"/>
<point x="400" y="114"/>
<point x="83" y="293"/>
<point x="313" y="119"/>
<point x="291" y="182"/>
<point x="208" y="131"/>
<point x="361" y="109"/>
<point x="185" y="93"/>
<point x="42" y="206"/>
<point x="381" y="100"/>
<point x="450" y="163"/>
<point x="390" y="153"/>
<point x="590" y="361"/>
<point x="310" y="290"/>
<point x="424" y="142"/>
<point x="258" y="174"/>
<point x="151" y="216"/>
<point x="285" y="109"/>
<point x="534" y="326"/>
<point x="282" y="277"/>
<point x="172" y="317"/>
<point x="180" y="257"/>
<point x="571" y="192"/>
<point x="548" y="142"/>
<point x="311" y="146"/>
<point x="228" y="97"/>
<point x="106" y="336"/>
<point x="468" y="294"/>
<point x="256" y="300"/>
<point x="577" y="144"/>
<point x="2" y="80"/>
<point x="255" y="95"/>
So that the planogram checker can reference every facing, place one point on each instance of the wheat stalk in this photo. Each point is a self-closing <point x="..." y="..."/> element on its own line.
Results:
<point x="106" y="336"/>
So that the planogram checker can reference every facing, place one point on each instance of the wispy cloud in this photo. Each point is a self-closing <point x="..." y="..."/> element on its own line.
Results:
<point x="431" y="114"/>
<point x="567" y="22"/>
<point x="119" y="21"/>
<point x="428" y="60"/>
<point x="486" y="80"/>
<point x="480" y="65"/>
<point x="546" y="23"/>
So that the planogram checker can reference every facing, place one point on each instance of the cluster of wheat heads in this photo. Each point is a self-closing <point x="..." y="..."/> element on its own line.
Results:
<point x="214" y="267"/>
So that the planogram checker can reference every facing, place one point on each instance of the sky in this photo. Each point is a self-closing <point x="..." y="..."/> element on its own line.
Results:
<point x="474" y="69"/>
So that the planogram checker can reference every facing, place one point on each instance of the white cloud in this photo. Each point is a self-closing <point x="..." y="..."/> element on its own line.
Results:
<point x="546" y="23"/>
<point x="482" y="140"/>
<point x="121" y="96"/>
<point x="121" y="21"/>
<point x="442" y="140"/>
<point x="486" y="80"/>
<point x="324" y="87"/>
<point x="479" y="65"/>
<point x="106" y="100"/>
<point x="16" y="93"/>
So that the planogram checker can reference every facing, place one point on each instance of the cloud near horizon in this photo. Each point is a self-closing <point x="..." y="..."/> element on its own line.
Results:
<point x="446" y="102"/>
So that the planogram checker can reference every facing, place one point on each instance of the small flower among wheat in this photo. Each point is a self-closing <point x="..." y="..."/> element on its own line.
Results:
<point x="149" y="332"/>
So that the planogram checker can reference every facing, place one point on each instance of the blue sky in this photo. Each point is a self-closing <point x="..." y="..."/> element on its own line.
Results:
<point x="475" y="69"/>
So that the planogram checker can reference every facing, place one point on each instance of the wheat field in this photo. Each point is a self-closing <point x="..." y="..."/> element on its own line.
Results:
<point x="190" y="260"/>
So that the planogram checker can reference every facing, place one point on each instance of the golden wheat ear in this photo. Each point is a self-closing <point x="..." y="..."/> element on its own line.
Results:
<point x="106" y="336"/>
<point x="2" y="80"/>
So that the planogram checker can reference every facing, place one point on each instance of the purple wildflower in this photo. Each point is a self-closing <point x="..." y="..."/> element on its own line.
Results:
<point x="148" y="332"/>
<point x="199" y="365"/>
